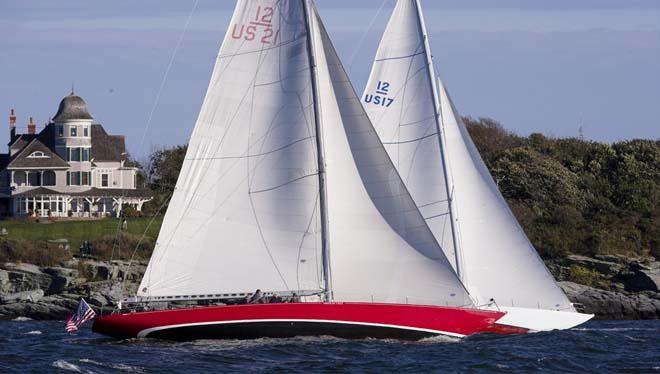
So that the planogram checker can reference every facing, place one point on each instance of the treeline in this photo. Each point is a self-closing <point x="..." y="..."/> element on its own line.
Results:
<point x="577" y="196"/>
<point x="569" y="194"/>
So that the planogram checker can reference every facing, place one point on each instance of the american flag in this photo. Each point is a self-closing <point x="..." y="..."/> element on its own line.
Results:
<point x="83" y="314"/>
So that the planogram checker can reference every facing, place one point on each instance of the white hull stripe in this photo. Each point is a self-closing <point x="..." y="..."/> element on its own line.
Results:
<point x="144" y="333"/>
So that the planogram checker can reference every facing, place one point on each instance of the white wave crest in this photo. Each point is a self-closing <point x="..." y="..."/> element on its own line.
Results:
<point x="22" y="319"/>
<point x="34" y="332"/>
<point x="120" y="367"/>
<point x="64" y="365"/>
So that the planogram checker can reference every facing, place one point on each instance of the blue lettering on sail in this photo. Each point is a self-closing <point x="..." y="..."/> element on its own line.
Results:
<point x="380" y="97"/>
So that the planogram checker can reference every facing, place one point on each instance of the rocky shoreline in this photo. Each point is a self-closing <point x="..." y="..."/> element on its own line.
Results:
<point x="46" y="293"/>
<point x="610" y="287"/>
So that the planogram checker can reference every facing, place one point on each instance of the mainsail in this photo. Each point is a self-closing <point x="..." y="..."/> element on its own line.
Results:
<point x="445" y="174"/>
<point x="403" y="108"/>
<point x="246" y="211"/>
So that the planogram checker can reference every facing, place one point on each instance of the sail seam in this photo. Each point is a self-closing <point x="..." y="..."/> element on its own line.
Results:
<point x="283" y="184"/>
<point x="249" y="156"/>
<point x="413" y="140"/>
<point x="399" y="57"/>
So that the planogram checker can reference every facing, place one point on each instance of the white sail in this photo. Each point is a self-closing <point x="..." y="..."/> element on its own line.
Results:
<point x="400" y="102"/>
<point x="244" y="214"/>
<point x="380" y="247"/>
<point x="494" y="256"/>
<point x="246" y="210"/>
<point x="499" y="259"/>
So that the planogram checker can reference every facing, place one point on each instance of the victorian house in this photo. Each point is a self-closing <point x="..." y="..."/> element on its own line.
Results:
<point x="71" y="168"/>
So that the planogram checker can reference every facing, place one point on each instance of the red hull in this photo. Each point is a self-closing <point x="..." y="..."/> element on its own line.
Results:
<point x="346" y="320"/>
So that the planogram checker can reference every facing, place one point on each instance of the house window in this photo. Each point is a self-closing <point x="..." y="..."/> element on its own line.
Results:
<point x="60" y="130"/>
<point x="78" y="154"/>
<point x="74" y="131"/>
<point x="73" y="154"/>
<point x="49" y="178"/>
<point x="104" y="180"/>
<point x="85" y="131"/>
<point x="38" y="154"/>
<point x="78" y="178"/>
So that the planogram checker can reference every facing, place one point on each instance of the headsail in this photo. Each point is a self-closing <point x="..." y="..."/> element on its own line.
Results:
<point x="495" y="257"/>
<point x="380" y="247"/>
<point x="499" y="258"/>
<point x="245" y="213"/>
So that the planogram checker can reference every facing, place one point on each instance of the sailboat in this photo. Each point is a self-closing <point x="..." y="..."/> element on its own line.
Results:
<point x="287" y="193"/>
<point x="431" y="149"/>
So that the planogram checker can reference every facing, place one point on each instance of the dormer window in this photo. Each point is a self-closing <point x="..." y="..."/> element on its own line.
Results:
<point x="38" y="154"/>
<point x="74" y="131"/>
<point x="60" y="130"/>
<point x="85" y="131"/>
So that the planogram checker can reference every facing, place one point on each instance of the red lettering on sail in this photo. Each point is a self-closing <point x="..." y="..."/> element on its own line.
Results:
<point x="260" y="28"/>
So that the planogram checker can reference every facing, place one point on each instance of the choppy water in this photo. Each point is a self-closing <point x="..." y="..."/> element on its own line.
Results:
<point x="629" y="346"/>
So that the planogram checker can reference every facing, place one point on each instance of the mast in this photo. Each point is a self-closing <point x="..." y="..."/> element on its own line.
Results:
<point x="440" y="131"/>
<point x="325" y="258"/>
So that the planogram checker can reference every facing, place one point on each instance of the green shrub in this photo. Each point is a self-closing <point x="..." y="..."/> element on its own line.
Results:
<point x="121" y="247"/>
<point x="582" y="275"/>
<point x="40" y="253"/>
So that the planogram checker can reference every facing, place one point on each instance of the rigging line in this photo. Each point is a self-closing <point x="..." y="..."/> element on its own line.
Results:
<point x="247" y="164"/>
<point x="263" y="239"/>
<point x="188" y="206"/>
<point x="302" y="241"/>
<point x="144" y="234"/>
<point x="358" y="46"/>
<point x="283" y="184"/>
<point x="167" y="72"/>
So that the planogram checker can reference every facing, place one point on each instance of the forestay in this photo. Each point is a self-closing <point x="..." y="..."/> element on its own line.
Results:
<point x="244" y="214"/>
<point x="400" y="102"/>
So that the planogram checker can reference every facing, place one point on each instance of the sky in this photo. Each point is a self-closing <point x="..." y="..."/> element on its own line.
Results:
<point x="535" y="66"/>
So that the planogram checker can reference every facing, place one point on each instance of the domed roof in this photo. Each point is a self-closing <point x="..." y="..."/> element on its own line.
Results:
<point x="72" y="107"/>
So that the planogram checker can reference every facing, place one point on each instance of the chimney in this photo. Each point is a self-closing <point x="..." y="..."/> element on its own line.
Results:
<point x="12" y="125"/>
<point x="32" y="127"/>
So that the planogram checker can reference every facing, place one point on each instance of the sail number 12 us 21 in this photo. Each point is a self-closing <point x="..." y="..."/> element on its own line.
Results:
<point x="260" y="28"/>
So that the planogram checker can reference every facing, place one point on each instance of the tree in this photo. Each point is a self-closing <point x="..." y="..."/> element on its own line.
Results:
<point x="164" y="167"/>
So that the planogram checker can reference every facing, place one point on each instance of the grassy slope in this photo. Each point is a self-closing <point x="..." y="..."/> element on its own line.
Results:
<point x="78" y="231"/>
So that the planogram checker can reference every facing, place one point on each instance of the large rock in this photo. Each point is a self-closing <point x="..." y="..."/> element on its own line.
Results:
<point x="48" y="308"/>
<point x="61" y="279"/>
<point x="31" y="296"/>
<point x="612" y="305"/>
<point x="640" y="277"/>
<point x="607" y="268"/>
<point x="19" y="277"/>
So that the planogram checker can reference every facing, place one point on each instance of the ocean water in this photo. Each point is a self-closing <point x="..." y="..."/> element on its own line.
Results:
<point x="603" y="346"/>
